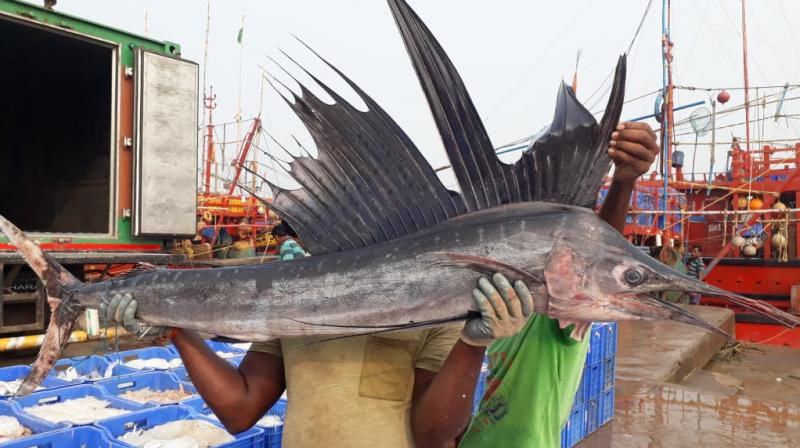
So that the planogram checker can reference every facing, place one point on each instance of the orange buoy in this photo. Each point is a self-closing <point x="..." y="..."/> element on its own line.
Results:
<point x="723" y="97"/>
<point x="756" y="204"/>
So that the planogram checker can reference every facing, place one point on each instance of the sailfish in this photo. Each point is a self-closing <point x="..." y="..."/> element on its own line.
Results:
<point x="394" y="249"/>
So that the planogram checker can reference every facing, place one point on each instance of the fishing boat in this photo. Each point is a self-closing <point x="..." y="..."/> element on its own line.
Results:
<point x="743" y="215"/>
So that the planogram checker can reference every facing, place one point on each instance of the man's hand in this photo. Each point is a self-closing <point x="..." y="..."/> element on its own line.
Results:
<point x="122" y="310"/>
<point x="504" y="310"/>
<point x="633" y="148"/>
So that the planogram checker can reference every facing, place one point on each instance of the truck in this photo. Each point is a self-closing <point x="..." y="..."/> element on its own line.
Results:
<point x="99" y="137"/>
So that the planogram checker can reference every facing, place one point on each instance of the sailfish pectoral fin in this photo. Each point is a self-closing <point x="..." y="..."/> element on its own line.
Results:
<point x="484" y="265"/>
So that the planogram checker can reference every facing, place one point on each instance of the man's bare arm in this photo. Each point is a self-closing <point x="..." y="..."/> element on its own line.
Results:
<point x="238" y="397"/>
<point x="633" y="148"/>
<point x="442" y="402"/>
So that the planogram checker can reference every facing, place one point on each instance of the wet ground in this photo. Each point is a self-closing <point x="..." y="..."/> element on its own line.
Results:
<point x="670" y="415"/>
<point x="750" y="400"/>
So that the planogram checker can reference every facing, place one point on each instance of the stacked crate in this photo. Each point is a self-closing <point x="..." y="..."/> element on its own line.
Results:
<point x="593" y="405"/>
<point x="104" y="433"/>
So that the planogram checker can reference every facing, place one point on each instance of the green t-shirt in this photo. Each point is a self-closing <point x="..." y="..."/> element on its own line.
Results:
<point x="533" y="377"/>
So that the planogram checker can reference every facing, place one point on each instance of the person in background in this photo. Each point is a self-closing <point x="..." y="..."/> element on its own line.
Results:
<point x="694" y="268"/>
<point x="672" y="258"/>
<point x="288" y="248"/>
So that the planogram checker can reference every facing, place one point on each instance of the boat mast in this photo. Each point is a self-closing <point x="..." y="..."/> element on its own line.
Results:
<point x="746" y="76"/>
<point x="666" y="121"/>
<point x="210" y="104"/>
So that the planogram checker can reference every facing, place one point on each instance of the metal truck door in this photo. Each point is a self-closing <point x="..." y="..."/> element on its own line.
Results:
<point x="165" y="145"/>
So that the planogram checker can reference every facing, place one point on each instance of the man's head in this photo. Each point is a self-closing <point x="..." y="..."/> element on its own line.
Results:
<point x="697" y="252"/>
<point x="668" y="256"/>
<point x="283" y="232"/>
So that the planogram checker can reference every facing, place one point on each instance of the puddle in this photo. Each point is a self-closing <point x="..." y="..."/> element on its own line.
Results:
<point x="673" y="416"/>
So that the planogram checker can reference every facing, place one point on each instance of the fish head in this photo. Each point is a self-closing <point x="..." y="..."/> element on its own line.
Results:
<point x="602" y="277"/>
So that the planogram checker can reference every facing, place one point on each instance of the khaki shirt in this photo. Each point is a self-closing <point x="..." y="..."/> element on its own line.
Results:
<point x="356" y="392"/>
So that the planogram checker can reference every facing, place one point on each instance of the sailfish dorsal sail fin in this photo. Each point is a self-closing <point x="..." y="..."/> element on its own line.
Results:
<point x="368" y="184"/>
<point x="566" y="164"/>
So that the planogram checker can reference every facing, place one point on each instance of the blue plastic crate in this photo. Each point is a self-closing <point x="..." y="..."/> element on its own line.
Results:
<point x="279" y="408"/>
<point x="15" y="373"/>
<point x="77" y="437"/>
<point x="182" y="374"/>
<point x="272" y="435"/>
<point x="585" y="387"/>
<point x="610" y="339"/>
<point x="594" y="376"/>
<point x="225" y="348"/>
<point x="595" y="353"/>
<point x="36" y="425"/>
<point x="217" y="347"/>
<point x="579" y="395"/>
<point x="201" y="408"/>
<point x="606" y="410"/>
<point x="608" y="373"/>
<point x="143" y="353"/>
<point x="149" y="418"/>
<point x="90" y="366"/>
<point x="575" y="429"/>
<point x="72" y="392"/>
<point x="591" y="413"/>
<point x="156" y="380"/>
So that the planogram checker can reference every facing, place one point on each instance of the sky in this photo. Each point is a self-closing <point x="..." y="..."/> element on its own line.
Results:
<point x="512" y="56"/>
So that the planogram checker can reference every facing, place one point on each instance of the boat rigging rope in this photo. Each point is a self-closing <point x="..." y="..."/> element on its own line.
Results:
<point x="733" y="190"/>
<point x="628" y="51"/>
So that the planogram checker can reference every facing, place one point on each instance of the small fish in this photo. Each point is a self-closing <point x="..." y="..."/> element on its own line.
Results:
<point x="393" y="248"/>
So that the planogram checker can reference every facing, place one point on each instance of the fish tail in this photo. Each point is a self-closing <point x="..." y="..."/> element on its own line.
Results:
<point x="60" y="284"/>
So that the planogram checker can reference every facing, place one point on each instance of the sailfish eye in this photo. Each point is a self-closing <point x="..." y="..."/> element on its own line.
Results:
<point x="634" y="276"/>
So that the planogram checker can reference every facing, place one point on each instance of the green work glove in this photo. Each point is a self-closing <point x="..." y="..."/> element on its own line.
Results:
<point x="122" y="310"/>
<point x="504" y="310"/>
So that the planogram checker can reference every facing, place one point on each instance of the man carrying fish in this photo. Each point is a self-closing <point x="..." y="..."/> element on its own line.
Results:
<point x="534" y="375"/>
<point x="414" y="387"/>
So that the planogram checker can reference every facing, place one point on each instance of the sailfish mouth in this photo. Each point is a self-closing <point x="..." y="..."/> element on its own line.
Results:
<point x="685" y="284"/>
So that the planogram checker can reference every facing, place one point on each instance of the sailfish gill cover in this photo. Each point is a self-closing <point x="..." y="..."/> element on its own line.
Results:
<point x="370" y="183"/>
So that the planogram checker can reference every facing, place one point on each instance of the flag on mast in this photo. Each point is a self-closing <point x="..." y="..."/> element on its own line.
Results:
<point x="240" y="34"/>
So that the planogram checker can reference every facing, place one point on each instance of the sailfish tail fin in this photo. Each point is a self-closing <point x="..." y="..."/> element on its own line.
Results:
<point x="59" y="284"/>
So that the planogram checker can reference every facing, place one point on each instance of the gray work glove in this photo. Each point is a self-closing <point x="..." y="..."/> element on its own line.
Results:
<point x="504" y="310"/>
<point x="122" y="310"/>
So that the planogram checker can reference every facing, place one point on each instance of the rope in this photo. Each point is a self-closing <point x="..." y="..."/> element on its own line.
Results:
<point x="776" y="140"/>
<point x="639" y="28"/>
<point x="761" y="120"/>
<point x="734" y="190"/>
<point x="711" y="89"/>
<point x="785" y="330"/>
